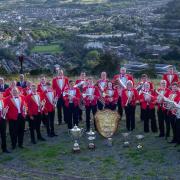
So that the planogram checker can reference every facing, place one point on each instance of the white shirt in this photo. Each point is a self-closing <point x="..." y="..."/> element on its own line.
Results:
<point x="36" y="97"/>
<point x="1" y="105"/>
<point x="60" y="82"/>
<point x="50" y="97"/>
<point x="18" y="104"/>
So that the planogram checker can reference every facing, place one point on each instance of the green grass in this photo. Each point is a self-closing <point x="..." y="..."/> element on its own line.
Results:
<point x="47" y="49"/>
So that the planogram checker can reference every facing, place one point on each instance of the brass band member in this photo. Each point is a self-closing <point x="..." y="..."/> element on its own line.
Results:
<point x="71" y="98"/>
<point x="27" y="90"/>
<point x="3" y="112"/>
<point x="59" y="83"/>
<point x="147" y="102"/>
<point x="90" y="95"/>
<point x="121" y="79"/>
<point x="21" y="82"/>
<point x="110" y="96"/>
<point x="170" y="76"/>
<point x="3" y="85"/>
<point x="140" y="87"/>
<point x="42" y="85"/>
<point x="102" y="84"/>
<point x="163" y="91"/>
<point x="129" y="99"/>
<point x="35" y="105"/>
<point x="171" y="117"/>
<point x="16" y="117"/>
<point x="81" y="83"/>
<point x="49" y="109"/>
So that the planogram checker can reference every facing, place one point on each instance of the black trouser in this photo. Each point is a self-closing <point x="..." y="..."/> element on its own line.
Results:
<point x="111" y="106"/>
<point x="141" y="116"/>
<point x="3" y="134"/>
<point x="130" y="117"/>
<point x="16" y="130"/>
<point x="171" y="119"/>
<point x="177" y="131"/>
<point x="60" y="107"/>
<point x="72" y="115"/>
<point x="50" y="123"/>
<point x="120" y="109"/>
<point x="149" y="114"/>
<point x="161" y="120"/>
<point x="100" y="105"/>
<point x="79" y="114"/>
<point x="35" y="124"/>
<point x="88" y="111"/>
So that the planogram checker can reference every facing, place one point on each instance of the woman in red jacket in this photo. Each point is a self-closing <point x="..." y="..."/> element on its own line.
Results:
<point x="110" y="96"/>
<point x="71" y="97"/>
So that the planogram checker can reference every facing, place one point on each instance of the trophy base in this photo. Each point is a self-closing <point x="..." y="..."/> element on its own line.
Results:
<point x="110" y="142"/>
<point x="76" y="150"/>
<point x="91" y="146"/>
<point x="139" y="146"/>
<point x="126" y="144"/>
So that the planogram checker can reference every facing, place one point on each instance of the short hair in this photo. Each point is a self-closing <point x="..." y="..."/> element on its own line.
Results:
<point x="144" y="76"/>
<point x="48" y="83"/>
<point x="175" y="84"/>
<point x="70" y="81"/>
<point x="123" y="68"/>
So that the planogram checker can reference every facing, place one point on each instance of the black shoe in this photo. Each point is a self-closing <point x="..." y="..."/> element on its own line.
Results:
<point x="53" y="134"/>
<point x="161" y="135"/>
<point x="21" y="146"/>
<point x="41" y="139"/>
<point x="6" y="151"/>
<point x="176" y="145"/>
<point x="173" y="141"/>
<point x="13" y="147"/>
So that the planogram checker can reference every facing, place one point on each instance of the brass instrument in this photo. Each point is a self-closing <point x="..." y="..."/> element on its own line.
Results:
<point x="176" y="109"/>
<point x="42" y="106"/>
<point x="55" y="101"/>
<point x="4" y="112"/>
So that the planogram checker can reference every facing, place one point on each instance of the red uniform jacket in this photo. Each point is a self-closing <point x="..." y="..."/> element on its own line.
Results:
<point x="151" y="85"/>
<point x="56" y="85"/>
<point x="95" y="93"/>
<point x="8" y="91"/>
<point x="27" y="91"/>
<point x="33" y="108"/>
<point x="166" y="94"/>
<point x="170" y="80"/>
<point x="111" y="93"/>
<point x="12" y="113"/>
<point x="144" y="103"/>
<point x="75" y="99"/>
<point x="135" y="97"/>
<point x="174" y="98"/>
<point x="102" y="85"/>
<point x="49" y="97"/>
<point x="78" y="82"/>
<point x="127" y="76"/>
<point x="41" y="88"/>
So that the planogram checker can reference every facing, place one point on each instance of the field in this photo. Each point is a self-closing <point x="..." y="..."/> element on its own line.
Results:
<point x="46" y="49"/>
<point x="54" y="159"/>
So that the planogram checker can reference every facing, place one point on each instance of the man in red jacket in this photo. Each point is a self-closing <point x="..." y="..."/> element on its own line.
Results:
<point x="42" y="85"/>
<point x="102" y="85"/>
<point x="49" y="110"/>
<point x="162" y="91"/>
<point x="90" y="96"/>
<point x="36" y="106"/>
<point x="171" y="118"/>
<point x="16" y="117"/>
<point x="147" y="101"/>
<point x="122" y="79"/>
<point x="59" y="83"/>
<point x="3" y="111"/>
<point x="129" y="99"/>
<point x="71" y="100"/>
<point x="170" y="76"/>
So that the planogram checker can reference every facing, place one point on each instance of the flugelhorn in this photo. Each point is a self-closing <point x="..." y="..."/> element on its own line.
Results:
<point x="4" y="112"/>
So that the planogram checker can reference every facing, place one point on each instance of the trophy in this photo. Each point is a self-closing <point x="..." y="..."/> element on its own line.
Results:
<point x="91" y="138"/>
<point x="76" y="133"/>
<point x="126" y="142"/>
<point x="139" y="138"/>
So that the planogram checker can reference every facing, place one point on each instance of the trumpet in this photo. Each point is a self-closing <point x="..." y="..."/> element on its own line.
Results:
<point x="43" y="105"/>
<point x="4" y="112"/>
<point x="80" y="84"/>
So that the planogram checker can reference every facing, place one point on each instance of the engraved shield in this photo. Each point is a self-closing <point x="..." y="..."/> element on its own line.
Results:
<point x="107" y="122"/>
